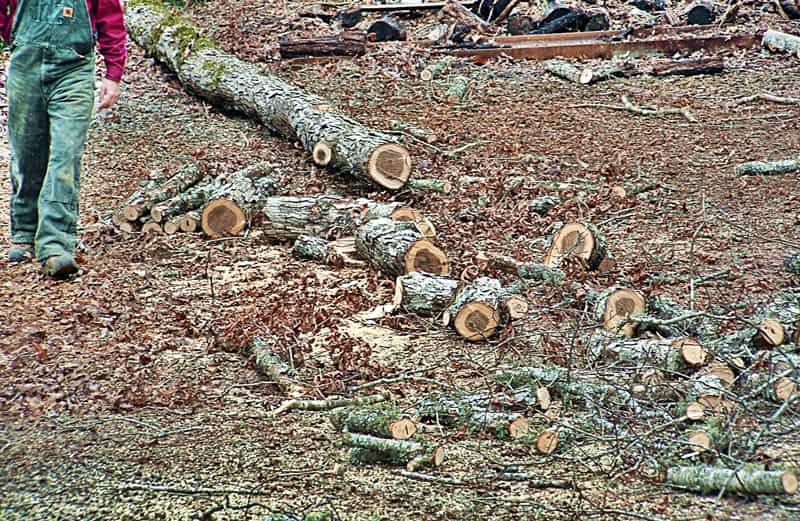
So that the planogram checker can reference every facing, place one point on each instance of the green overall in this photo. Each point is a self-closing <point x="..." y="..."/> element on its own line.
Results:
<point x="50" y="103"/>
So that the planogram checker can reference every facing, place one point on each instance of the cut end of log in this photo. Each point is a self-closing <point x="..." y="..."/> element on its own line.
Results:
<point x="518" y="428"/>
<point x="699" y="440"/>
<point x="724" y="373"/>
<point x="691" y="351"/>
<point x="770" y="334"/>
<point x="402" y="429"/>
<point x="547" y="442"/>
<point x="784" y="389"/>
<point x="322" y="154"/>
<point x="223" y="218"/>
<point x="156" y="214"/>
<point x="517" y="307"/>
<point x="586" y="77"/>
<point x="426" y="74"/>
<point x="543" y="398"/>
<point x="437" y="456"/>
<point x="695" y="411"/>
<point x="390" y="166"/>
<point x="789" y="481"/>
<point x="131" y="213"/>
<point x="476" y="321"/>
<point x="621" y="304"/>
<point x="573" y="239"/>
<point x="398" y="292"/>
<point x="424" y="256"/>
<point x="189" y="224"/>
<point x="151" y="227"/>
<point x="406" y="214"/>
<point x="172" y="227"/>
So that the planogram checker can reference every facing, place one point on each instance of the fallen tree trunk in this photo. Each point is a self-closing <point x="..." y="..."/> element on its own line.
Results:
<point x="676" y="356"/>
<point x="577" y="239"/>
<point x="397" y="248"/>
<point x="156" y="193"/>
<point x="777" y="41"/>
<point x="384" y="422"/>
<point x="372" y="449"/>
<point x="346" y="43"/>
<point x="233" y="199"/>
<point x="237" y="85"/>
<point x="712" y="480"/>
<point x="785" y="166"/>
<point x="712" y="65"/>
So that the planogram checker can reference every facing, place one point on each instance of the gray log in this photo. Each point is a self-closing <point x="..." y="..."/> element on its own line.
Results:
<point x="397" y="248"/>
<point x="313" y="248"/>
<point x="424" y="294"/>
<point x="777" y="41"/>
<point x="786" y="166"/>
<point x="712" y="480"/>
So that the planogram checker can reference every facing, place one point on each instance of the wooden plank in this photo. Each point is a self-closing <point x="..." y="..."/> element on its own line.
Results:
<point x="607" y="50"/>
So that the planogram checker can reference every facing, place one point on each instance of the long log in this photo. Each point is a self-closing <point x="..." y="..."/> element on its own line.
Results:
<point x="777" y="41"/>
<point x="234" y="198"/>
<point x="786" y="166"/>
<point x="372" y="449"/>
<point x="346" y="43"/>
<point x="712" y="480"/>
<point x="236" y="85"/>
<point x="268" y="362"/>
<point x="397" y="248"/>
<point x="384" y="422"/>
<point x="676" y="356"/>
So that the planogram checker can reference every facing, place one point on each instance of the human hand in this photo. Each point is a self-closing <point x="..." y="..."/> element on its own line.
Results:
<point x="109" y="93"/>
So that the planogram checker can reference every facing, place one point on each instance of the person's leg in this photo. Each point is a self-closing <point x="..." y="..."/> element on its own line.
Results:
<point x="69" y="106"/>
<point x="29" y="142"/>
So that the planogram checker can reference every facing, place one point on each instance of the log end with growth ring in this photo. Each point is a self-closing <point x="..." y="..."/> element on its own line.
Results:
<point x="622" y="304"/>
<point x="517" y="307"/>
<point x="547" y="441"/>
<point x="789" y="481"/>
<point x="390" y="166"/>
<point x="691" y="351"/>
<point x="189" y="224"/>
<point x="152" y="227"/>
<point x="425" y="256"/>
<point x="784" y="388"/>
<point x="573" y="240"/>
<point x="695" y="411"/>
<point x="518" y="428"/>
<point x="172" y="227"/>
<point x="132" y="212"/>
<point x="223" y="218"/>
<point x="699" y="441"/>
<point x="587" y="75"/>
<point x="476" y="321"/>
<point x="723" y="372"/>
<point x="322" y="154"/>
<point x="403" y="429"/>
<point x="770" y="334"/>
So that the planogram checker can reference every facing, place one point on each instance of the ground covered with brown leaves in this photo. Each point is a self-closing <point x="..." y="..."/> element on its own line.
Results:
<point x="126" y="393"/>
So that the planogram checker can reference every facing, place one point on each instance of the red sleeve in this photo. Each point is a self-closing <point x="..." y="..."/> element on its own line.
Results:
<point x="111" y="36"/>
<point x="7" y="8"/>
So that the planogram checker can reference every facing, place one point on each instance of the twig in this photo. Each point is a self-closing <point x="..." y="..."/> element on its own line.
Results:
<point x="125" y="487"/>
<point x="401" y="378"/>
<point x="766" y="96"/>
<point x="331" y="403"/>
<point x="432" y="479"/>
<point x="453" y="153"/>
<point x="642" y="111"/>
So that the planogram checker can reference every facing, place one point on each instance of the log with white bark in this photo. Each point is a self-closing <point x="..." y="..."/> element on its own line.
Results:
<point x="234" y="198"/>
<point x="372" y="449"/>
<point x="435" y="70"/>
<point x="786" y="166"/>
<point x="233" y="84"/>
<point x="384" y="421"/>
<point x="312" y="248"/>
<point x="457" y="90"/>
<point x="778" y="320"/>
<point x="473" y="412"/>
<point x="577" y="239"/>
<point x="156" y="193"/>
<point x="397" y="248"/>
<point x="713" y="480"/>
<point x="777" y="41"/>
<point x="423" y="293"/>
<point x="268" y="362"/>
<point x="681" y="355"/>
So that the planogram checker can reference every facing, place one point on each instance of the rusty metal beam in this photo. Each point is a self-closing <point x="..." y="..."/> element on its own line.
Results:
<point x="644" y="32"/>
<point x="588" y="49"/>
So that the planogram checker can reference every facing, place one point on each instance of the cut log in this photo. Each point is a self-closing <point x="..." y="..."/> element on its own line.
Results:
<point x="457" y="90"/>
<point x="777" y="41"/>
<point x="573" y="21"/>
<point x="312" y="248"/>
<point x="774" y="387"/>
<point x="191" y="199"/>
<point x="327" y="216"/>
<point x="700" y="12"/>
<point x="472" y="412"/>
<point x="435" y="70"/>
<point x="502" y="425"/>
<point x="346" y="43"/>
<point x="172" y="227"/>
<point x="676" y="356"/>
<point x="397" y="248"/>
<point x="431" y="460"/>
<point x="234" y="84"/>
<point x="606" y="71"/>
<point x="786" y="166"/>
<point x="152" y="227"/>
<point x="478" y="309"/>
<point x="722" y="371"/>
<point x="713" y="434"/>
<point x="577" y="239"/>
<point x="430" y="185"/>
<point x="547" y="441"/>
<point x="713" y="480"/>
<point x="423" y="293"/>
<point x="156" y="193"/>
<point x="234" y="198"/>
<point x="330" y="403"/>
<point x="462" y="15"/>
<point x="384" y="422"/>
<point x="711" y="65"/>
<point x="614" y="306"/>
<point x="778" y="321"/>
<point x="269" y="363"/>
<point x="382" y="450"/>
<point x="191" y="222"/>
<point x="387" y="29"/>
<point x="791" y="263"/>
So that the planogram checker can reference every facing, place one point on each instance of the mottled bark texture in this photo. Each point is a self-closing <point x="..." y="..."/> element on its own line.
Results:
<point x="233" y="84"/>
<point x="313" y="248"/>
<point x="712" y="480"/>
<point x="423" y="293"/>
<point x="386" y="422"/>
<point x="397" y="248"/>
<point x="234" y="198"/>
<point x="156" y="193"/>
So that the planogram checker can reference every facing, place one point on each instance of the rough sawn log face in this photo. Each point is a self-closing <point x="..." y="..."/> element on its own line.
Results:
<point x="244" y="87"/>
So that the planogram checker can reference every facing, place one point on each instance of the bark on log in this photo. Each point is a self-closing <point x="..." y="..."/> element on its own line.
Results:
<point x="233" y="199"/>
<point x="435" y="70"/>
<point x="566" y="70"/>
<point x="478" y="310"/>
<point x="777" y="41"/>
<point x="382" y="450"/>
<point x="384" y="422"/>
<point x="387" y="29"/>
<point x="236" y="85"/>
<point x="191" y="222"/>
<point x="269" y="363"/>
<point x="312" y="248"/>
<point x="791" y="262"/>
<point x="528" y="273"/>
<point x="606" y="71"/>
<point x="711" y="65"/>
<point x="681" y="355"/>
<point x="430" y="185"/>
<point x="614" y="306"/>
<point x="700" y="12"/>
<point x="713" y="434"/>
<point x="712" y="480"/>
<point x="663" y="308"/>
<point x="473" y="412"/>
<point x="397" y="248"/>
<point x="188" y="200"/>
<point x="577" y="239"/>
<point x="424" y="294"/>
<point x="544" y="204"/>
<point x="330" y="403"/>
<point x="156" y="193"/>
<point x="779" y="320"/>
<point x="346" y="43"/>
<point x="786" y="166"/>
<point x="326" y="216"/>
<point x="457" y="90"/>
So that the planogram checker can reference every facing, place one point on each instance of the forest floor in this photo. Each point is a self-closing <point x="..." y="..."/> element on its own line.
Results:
<point x="124" y="393"/>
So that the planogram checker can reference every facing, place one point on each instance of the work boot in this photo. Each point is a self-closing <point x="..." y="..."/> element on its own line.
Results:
<point x="20" y="253"/>
<point x="59" y="266"/>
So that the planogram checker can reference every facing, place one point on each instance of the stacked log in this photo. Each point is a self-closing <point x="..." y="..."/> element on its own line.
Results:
<point x="234" y="84"/>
